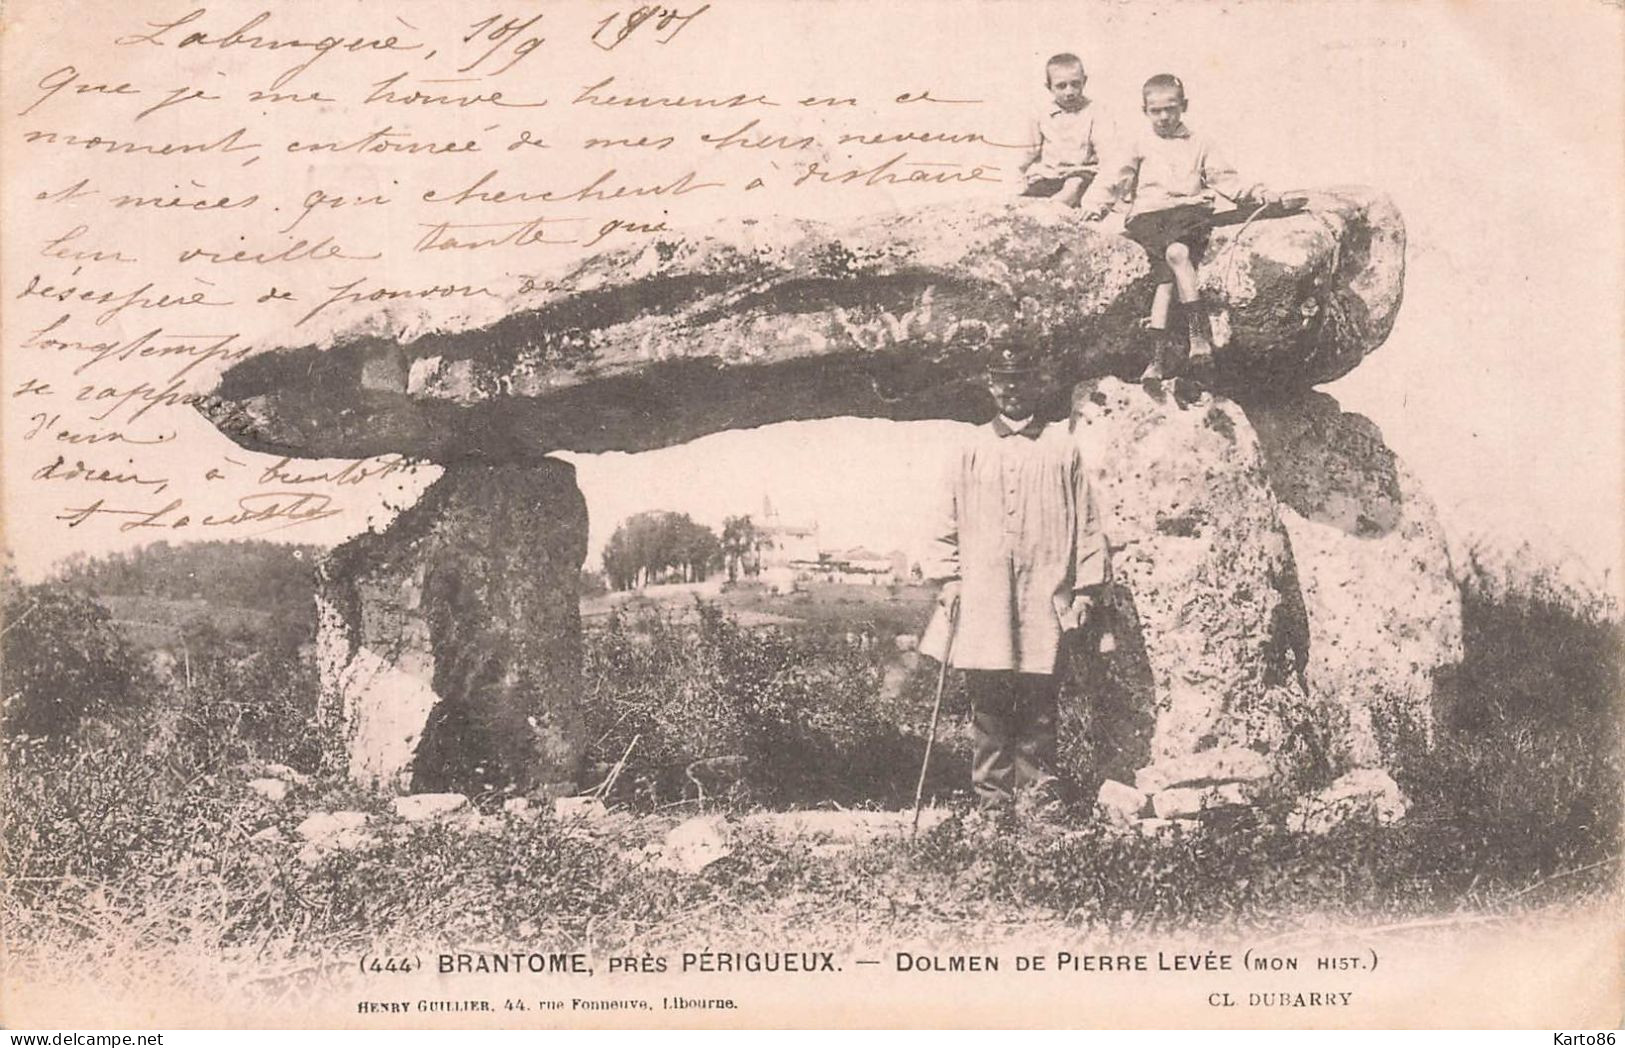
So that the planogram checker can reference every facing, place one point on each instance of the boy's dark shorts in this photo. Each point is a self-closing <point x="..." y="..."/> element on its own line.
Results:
<point x="1188" y="224"/>
<point x="1048" y="187"/>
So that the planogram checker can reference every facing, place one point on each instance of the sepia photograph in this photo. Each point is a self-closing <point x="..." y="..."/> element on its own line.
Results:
<point x="808" y="514"/>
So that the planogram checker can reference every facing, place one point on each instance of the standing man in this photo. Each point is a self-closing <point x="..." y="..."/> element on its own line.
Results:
<point x="1022" y="559"/>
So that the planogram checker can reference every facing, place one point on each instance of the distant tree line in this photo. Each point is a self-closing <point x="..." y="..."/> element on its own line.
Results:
<point x="275" y="579"/>
<point x="249" y="572"/>
<point x="660" y="546"/>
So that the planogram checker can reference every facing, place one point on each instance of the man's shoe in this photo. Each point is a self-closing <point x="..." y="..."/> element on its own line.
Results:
<point x="1159" y="336"/>
<point x="1197" y="376"/>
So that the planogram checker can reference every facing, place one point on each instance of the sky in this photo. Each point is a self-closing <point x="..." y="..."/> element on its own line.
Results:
<point x="1497" y="129"/>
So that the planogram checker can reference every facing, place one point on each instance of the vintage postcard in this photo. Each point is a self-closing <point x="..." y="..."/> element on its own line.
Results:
<point x="812" y="514"/>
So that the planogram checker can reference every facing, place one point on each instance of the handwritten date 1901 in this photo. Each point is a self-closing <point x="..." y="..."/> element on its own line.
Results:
<point x="614" y="30"/>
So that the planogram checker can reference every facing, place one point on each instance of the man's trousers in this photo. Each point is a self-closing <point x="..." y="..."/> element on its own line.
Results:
<point x="1013" y="733"/>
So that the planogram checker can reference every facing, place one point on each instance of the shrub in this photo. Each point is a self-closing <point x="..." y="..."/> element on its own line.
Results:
<point x="63" y="659"/>
<point x="1525" y="779"/>
<point x="242" y="705"/>
<point x="1531" y="658"/>
<point x="1527" y="765"/>
<point x="720" y="709"/>
<point x="1518" y="802"/>
<point x="79" y="812"/>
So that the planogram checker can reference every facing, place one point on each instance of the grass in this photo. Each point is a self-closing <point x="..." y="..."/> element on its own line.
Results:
<point x="137" y="838"/>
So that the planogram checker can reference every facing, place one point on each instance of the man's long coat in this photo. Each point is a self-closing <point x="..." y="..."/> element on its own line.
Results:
<point x="1021" y="534"/>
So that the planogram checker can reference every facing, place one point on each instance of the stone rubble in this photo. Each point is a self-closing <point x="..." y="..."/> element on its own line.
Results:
<point x="424" y="807"/>
<point x="1364" y="795"/>
<point x="273" y="790"/>
<point x="1120" y="805"/>
<point x="696" y="843"/>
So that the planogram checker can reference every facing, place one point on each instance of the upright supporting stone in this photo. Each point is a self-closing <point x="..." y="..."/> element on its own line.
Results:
<point x="1384" y="613"/>
<point x="1282" y="601"/>
<point x="1205" y="603"/>
<point x="450" y="643"/>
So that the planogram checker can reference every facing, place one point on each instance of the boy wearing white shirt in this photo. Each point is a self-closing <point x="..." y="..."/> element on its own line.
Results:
<point x="1170" y="177"/>
<point x="1063" y="152"/>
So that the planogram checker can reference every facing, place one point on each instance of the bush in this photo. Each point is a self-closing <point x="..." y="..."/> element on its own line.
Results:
<point x="244" y="705"/>
<point x="718" y="709"/>
<point x="1530" y="658"/>
<point x="82" y="812"/>
<point x="64" y="659"/>
<point x="144" y="828"/>
<point x="1528" y="759"/>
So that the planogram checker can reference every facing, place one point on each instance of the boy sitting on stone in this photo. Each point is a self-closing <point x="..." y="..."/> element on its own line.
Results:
<point x="1063" y="151"/>
<point x="1170" y="177"/>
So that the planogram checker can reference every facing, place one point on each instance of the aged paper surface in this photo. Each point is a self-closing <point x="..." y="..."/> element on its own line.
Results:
<point x="185" y="186"/>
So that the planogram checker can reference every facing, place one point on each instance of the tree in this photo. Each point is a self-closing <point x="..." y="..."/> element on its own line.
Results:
<point x="626" y="553"/>
<point x="660" y="546"/>
<point x="701" y="553"/>
<point x="739" y="547"/>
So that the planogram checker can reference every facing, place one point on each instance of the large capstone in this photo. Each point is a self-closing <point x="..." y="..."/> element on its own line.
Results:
<point x="450" y="643"/>
<point x="751" y="322"/>
<point x="1299" y="301"/>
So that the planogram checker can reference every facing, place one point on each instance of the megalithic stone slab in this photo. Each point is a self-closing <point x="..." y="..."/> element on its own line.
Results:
<point x="1304" y="298"/>
<point x="750" y="322"/>
<point x="1385" y="628"/>
<point x="1204" y="602"/>
<point x="1282" y="595"/>
<point x="450" y="643"/>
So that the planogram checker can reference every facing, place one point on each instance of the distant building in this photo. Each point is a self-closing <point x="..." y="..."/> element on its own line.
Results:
<point x="787" y="554"/>
<point x="784" y="549"/>
<point x="860" y="566"/>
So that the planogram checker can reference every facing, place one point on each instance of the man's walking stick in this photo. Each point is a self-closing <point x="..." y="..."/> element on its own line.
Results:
<point x="936" y="709"/>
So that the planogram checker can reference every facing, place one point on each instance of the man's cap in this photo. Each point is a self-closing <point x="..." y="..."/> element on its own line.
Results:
<point x="1008" y="344"/>
<point x="1009" y="357"/>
